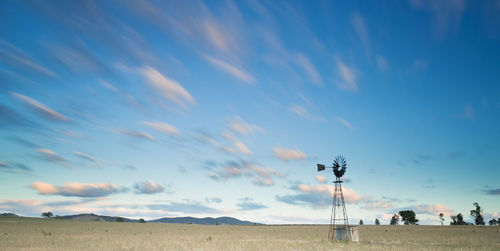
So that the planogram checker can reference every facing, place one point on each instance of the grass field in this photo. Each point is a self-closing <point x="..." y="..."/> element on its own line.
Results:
<point x="43" y="234"/>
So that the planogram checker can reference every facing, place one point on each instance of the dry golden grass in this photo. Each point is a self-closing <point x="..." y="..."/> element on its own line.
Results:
<point x="44" y="234"/>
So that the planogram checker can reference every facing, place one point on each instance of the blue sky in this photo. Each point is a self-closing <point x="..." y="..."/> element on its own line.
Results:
<point x="158" y="108"/>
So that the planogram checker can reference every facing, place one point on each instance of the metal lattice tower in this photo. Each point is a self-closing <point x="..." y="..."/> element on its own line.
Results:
<point x="339" y="222"/>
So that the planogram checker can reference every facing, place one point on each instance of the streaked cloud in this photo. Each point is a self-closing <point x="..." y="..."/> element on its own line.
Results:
<point x="348" y="77"/>
<point x="299" y="110"/>
<point x="446" y="15"/>
<point x="139" y="135"/>
<point x="285" y="154"/>
<point x="93" y="160"/>
<point x="247" y="204"/>
<point x="148" y="187"/>
<point x="430" y="209"/>
<point x="163" y="127"/>
<point x="492" y="191"/>
<point x="185" y="207"/>
<point x="50" y="155"/>
<point x="344" y="123"/>
<point x="168" y="88"/>
<point x="309" y="68"/>
<point x="259" y="176"/>
<point x="304" y="113"/>
<point x="240" y="126"/>
<point x="14" y="168"/>
<point x="12" y="55"/>
<point x="74" y="189"/>
<point x="359" y="26"/>
<point x="231" y="69"/>
<point x="318" y="196"/>
<point x="382" y="63"/>
<point x="39" y="107"/>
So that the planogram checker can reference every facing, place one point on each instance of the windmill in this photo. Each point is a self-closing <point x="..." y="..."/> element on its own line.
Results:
<point x="339" y="222"/>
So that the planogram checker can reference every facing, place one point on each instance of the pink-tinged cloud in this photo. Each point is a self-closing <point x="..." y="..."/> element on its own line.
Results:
<point x="288" y="154"/>
<point x="345" y="123"/>
<point x="240" y="126"/>
<point x="320" y="179"/>
<point x="318" y="196"/>
<point x="39" y="107"/>
<point x="139" y="135"/>
<point x="163" y="128"/>
<point x="167" y="87"/>
<point x="432" y="209"/>
<point x="350" y="196"/>
<point x="75" y="189"/>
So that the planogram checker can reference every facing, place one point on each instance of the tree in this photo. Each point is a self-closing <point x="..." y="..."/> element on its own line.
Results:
<point x="441" y="218"/>
<point x="360" y="222"/>
<point x="493" y="222"/>
<point x="141" y="220"/>
<point x="47" y="215"/>
<point x="119" y="219"/>
<point x="408" y="216"/>
<point x="395" y="219"/>
<point x="477" y="214"/>
<point x="457" y="220"/>
<point x="377" y="222"/>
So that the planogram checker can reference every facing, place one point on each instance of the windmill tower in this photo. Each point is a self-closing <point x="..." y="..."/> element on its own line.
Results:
<point x="339" y="222"/>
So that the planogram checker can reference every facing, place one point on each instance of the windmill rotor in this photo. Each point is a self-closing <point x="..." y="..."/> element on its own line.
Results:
<point x="339" y="166"/>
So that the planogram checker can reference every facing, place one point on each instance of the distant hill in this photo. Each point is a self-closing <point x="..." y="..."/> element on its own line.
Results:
<point x="93" y="217"/>
<point x="205" y="221"/>
<point x="9" y="215"/>
<point x="177" y="220"/>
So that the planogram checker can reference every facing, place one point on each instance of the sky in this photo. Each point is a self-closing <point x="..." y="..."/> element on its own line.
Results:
<point x="149" y="109"/>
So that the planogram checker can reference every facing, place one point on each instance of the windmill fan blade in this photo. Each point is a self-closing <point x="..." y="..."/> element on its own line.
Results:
<point x="321" y="167"/>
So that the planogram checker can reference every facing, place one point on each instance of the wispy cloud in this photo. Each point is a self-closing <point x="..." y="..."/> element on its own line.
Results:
<point x="166" y="87"/>
<point x="304" y="113"/>
<point x="163" y="128"/>
<point x="320" y="179"/>
<point x="231" y="69"/>
<point x="492" y="191"/>
<point x="382" y="63"/>
<point x="309" y="68"/>
<point x="359" y="26"/>
<point x="344" y="123"/>
<point x="235" y="169"/>
<point x="14" y="168"/>
<point x="446" y="15"/>
<point x="50" y="155"/>
<point x="139" y="135"/>
<point x="14" y="56"/>
<point x="469" y="112"/>
<point x="148" y="187"/>
<point x="348" y="77"/>
<point x="185" y="207"/>
<point x="75" y="189"/>
<point x="240" y="126"/>
<point x="430" y="209"/>
<point x="39" y="107"/>
<point x="93" y="160"/>
<point x="285" y="154"/>
<point x="247" y="204"/>
<point x="319" y="196"/>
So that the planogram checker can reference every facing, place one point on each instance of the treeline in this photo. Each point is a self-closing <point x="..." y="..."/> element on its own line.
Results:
<point x="408" y="217"/>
